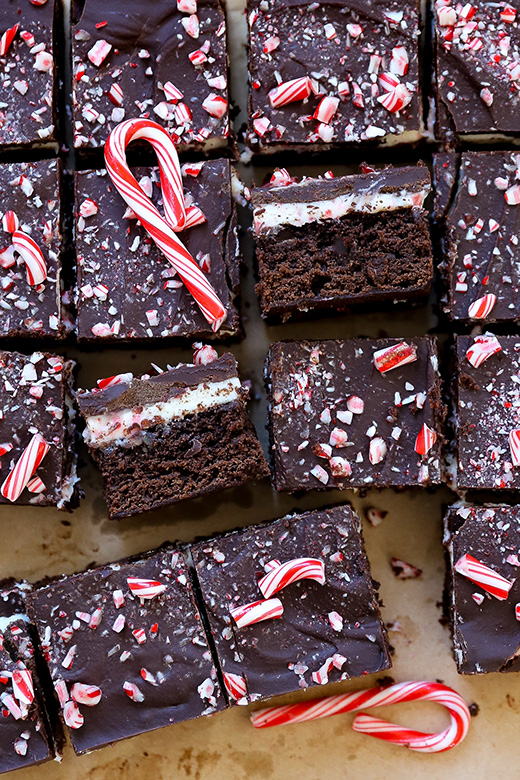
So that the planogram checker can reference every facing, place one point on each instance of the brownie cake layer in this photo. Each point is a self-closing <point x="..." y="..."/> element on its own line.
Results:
<point x="328" y="631"/>
<point x="326" y="244"/>
<point x="177" y="435"/>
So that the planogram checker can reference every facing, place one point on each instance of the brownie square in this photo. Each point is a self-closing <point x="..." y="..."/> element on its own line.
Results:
<point x="326" y="244"/>
<point x="155" y="61"/>
<point x="354" y="413"/>
<point x="333" y="73"/>
<point x="477" y="67"/>
<point x="481" y="252"/>
<point x="485" y="628"/>
<point x="37" y="416"/>
<point x="486" y="412"/>
<point x="27" y="73"/>
<point x="126" y="288"/>
<point x="31" y="192"/>
<point x="328" y="631"/>
<point x="175" y="435"/>
<point x="26" y="737"/>
<point x="126" y="648"/>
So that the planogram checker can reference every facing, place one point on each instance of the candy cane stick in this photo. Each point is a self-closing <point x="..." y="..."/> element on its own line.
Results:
<point x="378" y="697"/>
<point x="32" y="256"/>
<point x="292" y="571"/>
<point x="161" y="229"/>
<point x="24" y="468"/>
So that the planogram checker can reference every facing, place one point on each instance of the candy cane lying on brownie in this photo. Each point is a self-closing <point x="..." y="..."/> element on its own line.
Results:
<point x="27" y="248"/>
<point x="161" y="229"/>
<point x="379" y="697"/>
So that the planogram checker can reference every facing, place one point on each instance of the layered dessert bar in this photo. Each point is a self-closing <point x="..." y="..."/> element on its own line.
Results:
<point x="126" y="648"/>
<point x="37" y="431"/>
<point x="167" y="61"/>
<point x="291" y="604"/>
<point x="26" y="734"/>
<point x="30" y="252"/>
<point x="333" y="74"/>
<point x="27" y="73"/>
<point x="175" y="435"/>
<point x="326" y="244"/>
<point x="477" y="69"/>
<point x="355" y="413"/>
<point x="126" y="288"/>
<point x="486" y="401"/>
<point x="483" y="544"/>
<point x="480" y="237"/>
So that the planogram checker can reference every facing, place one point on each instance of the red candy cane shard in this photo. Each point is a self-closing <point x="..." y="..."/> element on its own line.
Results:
<point x="483" y="348"/>
<point x="514" y="446"/>
<point x="90" y="695"/>
<point x="7" y="39"/>
<point x="480" y="308"/>
<point x="425" y="440"/>
<point x="10" y="222"/>
<point x="490" y="581"/>
<point x="32" y="256"/>
<point x="145" y="589"/>
<point x="23" y="688"/>
<point x="397" y="355"/>
<point x="379" y="697"/>
<point x="292" y="571"/>
<point x="161" y="229"/>
<point x="290" y="91"/>
<point x="257" y="611"/>
<point x="235" y="685"/>
<point x="24" y="468"/>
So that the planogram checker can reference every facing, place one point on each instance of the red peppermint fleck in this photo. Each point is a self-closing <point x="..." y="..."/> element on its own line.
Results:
<point x="139" y="635"/>
<point x="388" y="81"/>
<point x="7" y="39"/>
<point x="488" y="579"/>
<point x="10" y="704"/>
<point x="197" y="57"/>
<point x="290" y="91"/>
<point x="482" y="307"/>
<point x="517" y="611"/>
<point x="5" y="448"/>
<point x="508" y="14"/>
<point x="261" y="125"/>
<point x="99" y="52"/>
<point x="322" y="450"/>
<point x="133" y="692"/>
<point x="72" y="716"/>
<point x="90" y="695"/>
<point x="396" y="355"/>
<point x="119" y="624"/>
<point x="404" y="570"/>
<point x="321" y="677"/>
<point x="69" y="658"/>
<point x="235" y="685"/>
<point x="375" y="516"/>
<point x="425" y="440"/>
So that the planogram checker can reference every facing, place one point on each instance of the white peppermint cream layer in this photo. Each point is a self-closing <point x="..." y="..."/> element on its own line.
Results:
<point x="274" y="215"/>
<point x="127" y="425"/>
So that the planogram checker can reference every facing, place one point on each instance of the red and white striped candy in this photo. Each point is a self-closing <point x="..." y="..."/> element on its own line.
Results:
<point x="292" y="571"/>
<point x="10" y="704"/>
<point x="24" y="468"/>
<point x="7" y="39"/>
<point x="235" y="685"/>
<point x="399" y="62"/>
<point x="32" y="256"/>
<point x="512" y="195"/>
<point x="256" y="612"/>
<point x="161" y="229"/>
<point x="90" y="695"/>
<point x="72" y="716"/>
<point x="396" y="100"/>
<point x="114" y="380"/>
<point x="326" y="109"/>
<point x="396" y="355"/>
<point x="425" y="440"/>
<point x="133" y="692"/>
<point x="99" y="52"/>
<point x="36" y="485"/>
<point x="377" y="450"/>
<point x="489" y="580"/>
<point x="23" y="688"/>
<point x="290" y="91"/>
<point x="514" y="446"/>
<point x="379" y="697"/>
<point x="145" y="589"/>
<point x="10" y="222"/>
<point x="215" y="105"/>
<point x="88" y="208"/>
<point x="355" y="404"/>
<point x="480" y="308"/>
<point x="204" y="354"/>
<point x="508" y="14"/>
<point x="483" y="348"/>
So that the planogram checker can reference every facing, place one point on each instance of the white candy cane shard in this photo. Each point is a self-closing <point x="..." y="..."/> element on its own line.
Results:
<point x="377" y="450"/>
<point x="482" y="307"/>
<point x="32" y="256"/>
<point x="133" y="692"/>
<point x="290" y="91"/>
<point x="145" y="589"/>
<point x="90" y="695"/>
<point x="514" y="446"/>
<point x="488" y="579"/>
<point x="396" y="355"/>
<point x="23" y="688"/>
<point x="24" y="468"/>
<point x="235" y="685"/>
<point x="72" y="716"/>
<point x="292" y="571"/>
<point x="257" y="611"/>
<point x="483" y="348"/>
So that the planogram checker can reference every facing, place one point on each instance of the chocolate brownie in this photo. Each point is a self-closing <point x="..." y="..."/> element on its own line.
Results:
<point x="477" y="68"/>
<point x="31" y="289"/>
<point x="26" y="737"/>
<point x="175" y="435"/>
<point x="481" y="252"/>
<point x="165" y="60"/>
<point x="326" y="243"/>
<point x="486" y="400"/>
<point x="355" y="413"/>
<point x="484" y="614"/>
<point x="37" y="431"/>
<point x="126" y="648"/>
<point x="126" y="288"/>
<point x="332" y="73"/>
<point x="27" y="73"/>
<point x="322" y="630"/>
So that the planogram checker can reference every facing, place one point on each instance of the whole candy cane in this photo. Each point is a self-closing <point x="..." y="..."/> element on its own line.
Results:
<point x="161" y="229"/>
<point x="32" y="256"/>
<point x="379" y="697"/>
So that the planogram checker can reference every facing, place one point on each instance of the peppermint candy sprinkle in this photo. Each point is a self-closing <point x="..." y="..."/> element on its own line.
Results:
<point x="488" y="579"/>
<point x="133" y="692"/>
<point x="290" y="91"/>
<point x="397" y="355"/>
<point x="425" y="440"/>
<point x="292" y="571"/>
<point x="7" y="39"/>
<point x="480" y="308"/>
<point x="23" y="688"/>
<point x="145" y="589"/>
<point x="483" y="348"/>
<point x="256" y="612"/>
<point x="90" y="695"/>
<point x="514" y="446"/>
<point x="72" y="716"/>
<point x="235" y="685"/>
<point x="24" y="468"/>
